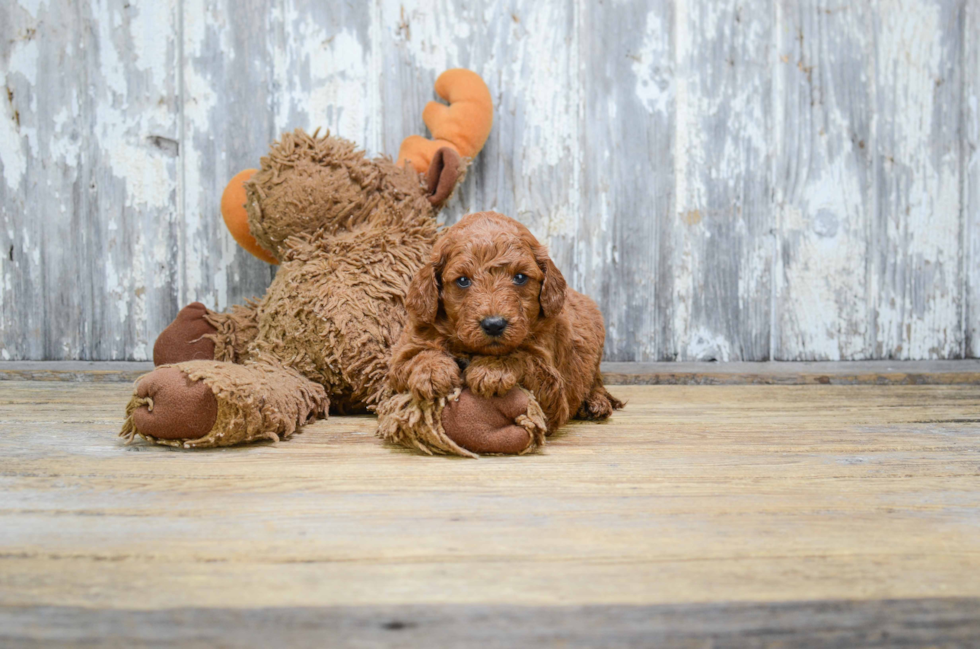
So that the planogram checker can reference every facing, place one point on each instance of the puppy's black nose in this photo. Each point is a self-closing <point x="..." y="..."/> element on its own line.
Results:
<point x="493" y="326"/>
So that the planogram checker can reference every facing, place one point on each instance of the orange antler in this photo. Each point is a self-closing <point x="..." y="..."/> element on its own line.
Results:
<point x="464" y="125"/>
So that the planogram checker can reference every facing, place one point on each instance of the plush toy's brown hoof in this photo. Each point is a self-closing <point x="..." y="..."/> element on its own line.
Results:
<point x="483" y="425"/>
<point x="178" y="407"/>
<point x="184" y="338"/>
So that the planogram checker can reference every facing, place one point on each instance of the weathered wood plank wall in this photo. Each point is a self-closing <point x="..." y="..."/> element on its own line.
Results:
<point x="731" y="180"/>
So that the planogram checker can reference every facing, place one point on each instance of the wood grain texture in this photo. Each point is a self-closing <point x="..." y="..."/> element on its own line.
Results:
<point x="823" y="180"/>
<point x="691" y="495"/>
<point x="623" y="243"/>
<point x="88" y="192"/>
<point x="971" y="170"/>
<point x="780" y="179"/>
<point x="941" y="622"/>
<point x="722" y="237"/>
<point x="228" y="120"/>
<point x="917" y="227"/>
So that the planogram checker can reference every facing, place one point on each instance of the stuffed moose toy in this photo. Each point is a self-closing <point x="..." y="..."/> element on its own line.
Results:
<point x="348" y="234"/>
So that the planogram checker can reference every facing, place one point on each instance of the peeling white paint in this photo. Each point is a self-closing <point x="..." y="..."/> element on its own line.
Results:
<point x="430" y="33"/>
<point x="822" y="197"/>
<point x="199" y="104"/>
<point x="32" y="7"/>
<point x="95" y="187"/>
<point x="338" y="88"/>
<point x="971" y="208"/>
<point x="546" y="65"/>
<point x="844" y="289"/>
<point x="17" y="141"/>
<point x="125" y="137"/>
<point x="917" y="312"/>
<point x="654" y="80"/>
<point x="323" y="77"/>
<point x="12" y="156"/>
<point x="704" y="345"/>
<point x="150" y="42"/>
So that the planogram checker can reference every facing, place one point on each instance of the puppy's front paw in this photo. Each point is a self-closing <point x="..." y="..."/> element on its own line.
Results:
<point x="434" y="377"/>
<point x="490" y="377"/>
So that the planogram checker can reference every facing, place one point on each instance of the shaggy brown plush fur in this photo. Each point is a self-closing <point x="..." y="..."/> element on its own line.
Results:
<point x="486" y="270"/>
<point x="349" y="233"/>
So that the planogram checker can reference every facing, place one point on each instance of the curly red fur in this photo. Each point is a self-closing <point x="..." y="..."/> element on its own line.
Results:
<point x="553" y="339"/>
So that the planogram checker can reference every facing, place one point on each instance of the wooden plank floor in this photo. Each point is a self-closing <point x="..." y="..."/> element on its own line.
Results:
<point x="785" y="503"/>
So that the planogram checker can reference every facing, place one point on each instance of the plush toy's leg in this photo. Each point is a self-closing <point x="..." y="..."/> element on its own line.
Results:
<point x="211" y="403"/>
<point x="465" y="424"/>
<point x="186" y="338"/>
<point x="234" y="331"/>
<point x="197" y="334"/>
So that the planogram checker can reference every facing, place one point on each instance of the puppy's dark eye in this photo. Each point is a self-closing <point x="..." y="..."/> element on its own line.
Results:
<point x="463" y="282"/>
<point x="520" y="279"/>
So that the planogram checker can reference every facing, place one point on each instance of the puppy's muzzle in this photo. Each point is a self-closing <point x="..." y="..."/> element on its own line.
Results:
<point x="493" y="326"/>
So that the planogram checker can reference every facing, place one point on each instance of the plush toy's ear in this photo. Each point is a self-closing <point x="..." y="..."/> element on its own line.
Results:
<point x="553" y="287"/>
<point x="236" y="217"/>
<point x="442" y="175"/>
<point x="422" y="300"/>
<point x="464" y="125"/>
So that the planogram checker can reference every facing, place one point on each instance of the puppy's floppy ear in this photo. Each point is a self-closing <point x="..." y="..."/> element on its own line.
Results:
<point x="422" y="300"/>
<point x="552" y="297"/>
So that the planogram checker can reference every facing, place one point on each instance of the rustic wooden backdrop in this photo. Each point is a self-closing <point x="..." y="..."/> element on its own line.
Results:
<point x="750" y="179"/>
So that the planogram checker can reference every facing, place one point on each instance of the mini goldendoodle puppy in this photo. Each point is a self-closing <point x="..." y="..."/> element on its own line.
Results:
<point x="491" y="311"/>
